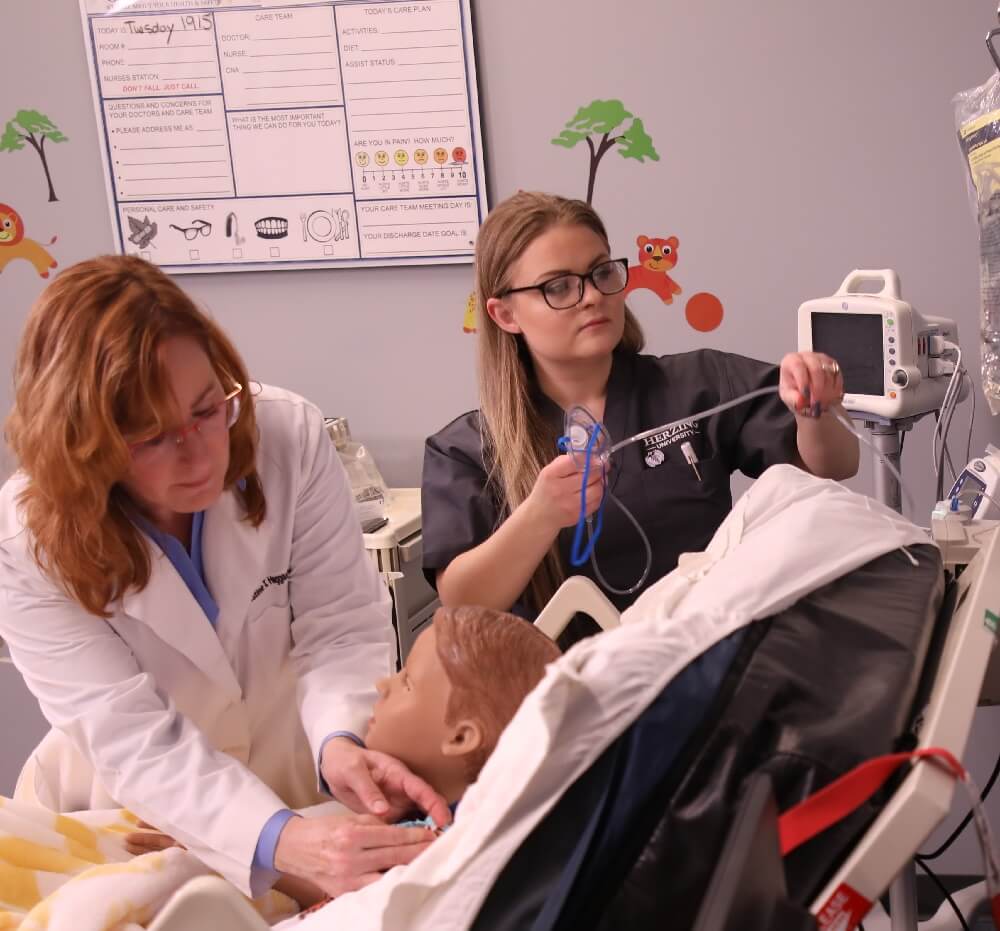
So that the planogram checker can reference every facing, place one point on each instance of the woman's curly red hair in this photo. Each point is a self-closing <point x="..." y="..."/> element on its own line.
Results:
<point x="88" y="374"/>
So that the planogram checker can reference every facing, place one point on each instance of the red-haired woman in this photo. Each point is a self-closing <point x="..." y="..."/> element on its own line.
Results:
<point x="184" y="588"/>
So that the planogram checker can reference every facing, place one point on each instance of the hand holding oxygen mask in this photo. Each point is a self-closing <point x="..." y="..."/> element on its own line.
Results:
<point x="556" y="495"/>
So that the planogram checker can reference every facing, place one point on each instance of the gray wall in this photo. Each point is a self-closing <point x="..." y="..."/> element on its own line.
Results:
<point x="798" y="140"/>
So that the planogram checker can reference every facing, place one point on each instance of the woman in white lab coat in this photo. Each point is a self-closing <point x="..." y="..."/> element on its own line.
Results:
<point x="184" y="588"/>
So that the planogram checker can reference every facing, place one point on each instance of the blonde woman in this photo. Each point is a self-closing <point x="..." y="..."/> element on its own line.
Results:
<point x="184" y="589"/>
<point x="499" y="502"/>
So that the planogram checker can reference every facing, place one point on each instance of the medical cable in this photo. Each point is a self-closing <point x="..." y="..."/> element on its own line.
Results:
<point x="944" y="891"/>
<point x="594" y="431"/>
<point x="972" y="419"/>
<point x="946" y="419"/>
<point x="948" y="405"/>
<point x="942" y="427"/>
<point x="749" y="396"/>
<point x="847" y="425"/>
<point x="968" y="443"/>
<point x="646" y="544"/>
<point x="964" y="823"/>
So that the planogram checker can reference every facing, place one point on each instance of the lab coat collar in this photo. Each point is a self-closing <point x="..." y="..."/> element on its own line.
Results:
<point x="234" y="555"/>
<point x="167" y="606"/>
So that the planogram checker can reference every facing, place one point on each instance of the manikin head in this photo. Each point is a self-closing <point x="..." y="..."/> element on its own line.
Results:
<point x="463" y="681"/>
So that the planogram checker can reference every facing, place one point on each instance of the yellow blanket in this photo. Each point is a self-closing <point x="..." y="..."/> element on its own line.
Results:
<point x="73" y="873"/>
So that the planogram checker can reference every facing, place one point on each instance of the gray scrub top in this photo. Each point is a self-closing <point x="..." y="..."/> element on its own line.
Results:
<point x="678" y="511"/>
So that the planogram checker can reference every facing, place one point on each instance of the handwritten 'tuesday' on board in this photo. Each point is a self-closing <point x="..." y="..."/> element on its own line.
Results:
<point x="241" y="136"/>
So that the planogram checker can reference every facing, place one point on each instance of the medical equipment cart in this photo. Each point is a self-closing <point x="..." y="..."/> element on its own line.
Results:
<point x="397" y="549"/>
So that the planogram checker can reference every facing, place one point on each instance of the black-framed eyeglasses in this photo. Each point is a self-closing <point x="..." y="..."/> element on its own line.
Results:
<point x="191" y="232"/>
<point x="565" y="291"/>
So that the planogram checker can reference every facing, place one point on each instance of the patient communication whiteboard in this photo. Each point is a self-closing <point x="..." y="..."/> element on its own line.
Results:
<point x="282" y="134"/>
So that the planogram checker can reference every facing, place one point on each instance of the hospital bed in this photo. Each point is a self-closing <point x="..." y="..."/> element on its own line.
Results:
<point x="884" y="659"/>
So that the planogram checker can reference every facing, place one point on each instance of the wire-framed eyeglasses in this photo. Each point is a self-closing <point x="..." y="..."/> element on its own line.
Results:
<point x="565" y="291"/>
<point x="213" y="418"/>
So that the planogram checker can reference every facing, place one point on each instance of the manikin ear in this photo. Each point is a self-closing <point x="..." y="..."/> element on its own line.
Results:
<point x="466" y="737"/>
<point x="502" y="315"/>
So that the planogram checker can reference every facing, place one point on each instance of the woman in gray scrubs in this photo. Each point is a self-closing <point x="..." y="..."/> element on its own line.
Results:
<point x="500" y="502"/>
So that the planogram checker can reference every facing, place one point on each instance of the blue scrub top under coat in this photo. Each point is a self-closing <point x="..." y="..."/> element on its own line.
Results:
<point x="190" y="566"/>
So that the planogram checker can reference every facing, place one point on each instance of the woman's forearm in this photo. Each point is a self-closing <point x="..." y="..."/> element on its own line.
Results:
<point x="495" y="573"/>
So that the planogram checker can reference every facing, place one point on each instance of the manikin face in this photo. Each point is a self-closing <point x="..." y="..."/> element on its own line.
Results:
<point x="168" y="478"/>
<point x="409" y="717"/>
<point x="590" y="329"/>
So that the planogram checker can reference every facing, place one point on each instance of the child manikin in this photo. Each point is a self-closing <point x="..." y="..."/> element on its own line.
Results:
<point x="444" y="711"/>
<point x="463" y="681"/>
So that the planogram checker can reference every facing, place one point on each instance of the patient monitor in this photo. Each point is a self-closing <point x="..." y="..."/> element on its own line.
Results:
<point x="890" y="355"/>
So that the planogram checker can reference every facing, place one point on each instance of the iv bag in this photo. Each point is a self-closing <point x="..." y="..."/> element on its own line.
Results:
<point x="977" y="117"/>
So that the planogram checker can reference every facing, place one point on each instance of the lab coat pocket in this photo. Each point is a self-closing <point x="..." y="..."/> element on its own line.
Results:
<point x="272" y="598"/>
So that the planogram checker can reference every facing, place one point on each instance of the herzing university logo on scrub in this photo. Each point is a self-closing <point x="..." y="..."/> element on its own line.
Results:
<point x="271" y="580"/>
<point x="654" y="446"/>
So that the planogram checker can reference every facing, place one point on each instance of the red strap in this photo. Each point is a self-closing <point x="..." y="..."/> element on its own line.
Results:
<point x="836" y="801"/>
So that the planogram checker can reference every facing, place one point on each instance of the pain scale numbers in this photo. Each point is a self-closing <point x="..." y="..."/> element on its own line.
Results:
<point x="404" y="180"/>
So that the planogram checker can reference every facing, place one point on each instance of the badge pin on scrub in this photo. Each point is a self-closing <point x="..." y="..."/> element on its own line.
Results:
<point x="691" y="457"/>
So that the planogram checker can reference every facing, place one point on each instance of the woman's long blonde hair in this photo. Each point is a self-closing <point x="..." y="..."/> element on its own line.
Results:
<point x="88" y="374"/>
<point x="517" y="442"/>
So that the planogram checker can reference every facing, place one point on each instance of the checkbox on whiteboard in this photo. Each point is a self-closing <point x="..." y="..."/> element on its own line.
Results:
<point x="145" y="255"/>
<point x="327" y="249"/>
<point x="275" y="252"/>
<point x="194" y="253"/>
<point x="237" y="253"/>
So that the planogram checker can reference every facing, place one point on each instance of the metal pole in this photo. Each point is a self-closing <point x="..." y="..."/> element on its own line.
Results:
<point x="885" y="438"/>
<point x="903" y="899"/>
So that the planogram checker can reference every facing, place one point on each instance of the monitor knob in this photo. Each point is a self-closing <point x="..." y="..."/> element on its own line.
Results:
<point x="899" y="377"/>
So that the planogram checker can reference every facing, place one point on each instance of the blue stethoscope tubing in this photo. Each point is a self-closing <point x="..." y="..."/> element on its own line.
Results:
<point x="580" y="553"/>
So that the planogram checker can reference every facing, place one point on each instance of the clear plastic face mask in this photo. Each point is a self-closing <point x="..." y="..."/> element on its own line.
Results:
<point x="579" y="427"/>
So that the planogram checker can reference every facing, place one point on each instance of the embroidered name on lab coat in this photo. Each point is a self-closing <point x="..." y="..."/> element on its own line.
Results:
<point x="653" y="446"/>
<point x="271" y="580"/>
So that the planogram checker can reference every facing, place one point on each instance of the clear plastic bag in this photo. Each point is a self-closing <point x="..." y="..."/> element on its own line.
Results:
<point x="371" y="495"/>
<point x="977" y="119"/>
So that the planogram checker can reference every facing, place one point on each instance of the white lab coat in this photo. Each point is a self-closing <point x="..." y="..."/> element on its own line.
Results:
<point x="200" y="731"/>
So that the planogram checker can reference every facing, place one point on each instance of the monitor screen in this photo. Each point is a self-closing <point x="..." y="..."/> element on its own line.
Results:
<point x="855" y="341"/>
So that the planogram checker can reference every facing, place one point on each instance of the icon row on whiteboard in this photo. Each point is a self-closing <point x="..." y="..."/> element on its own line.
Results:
<point x="322" y="226"/>
<point x="381" y="158"/>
